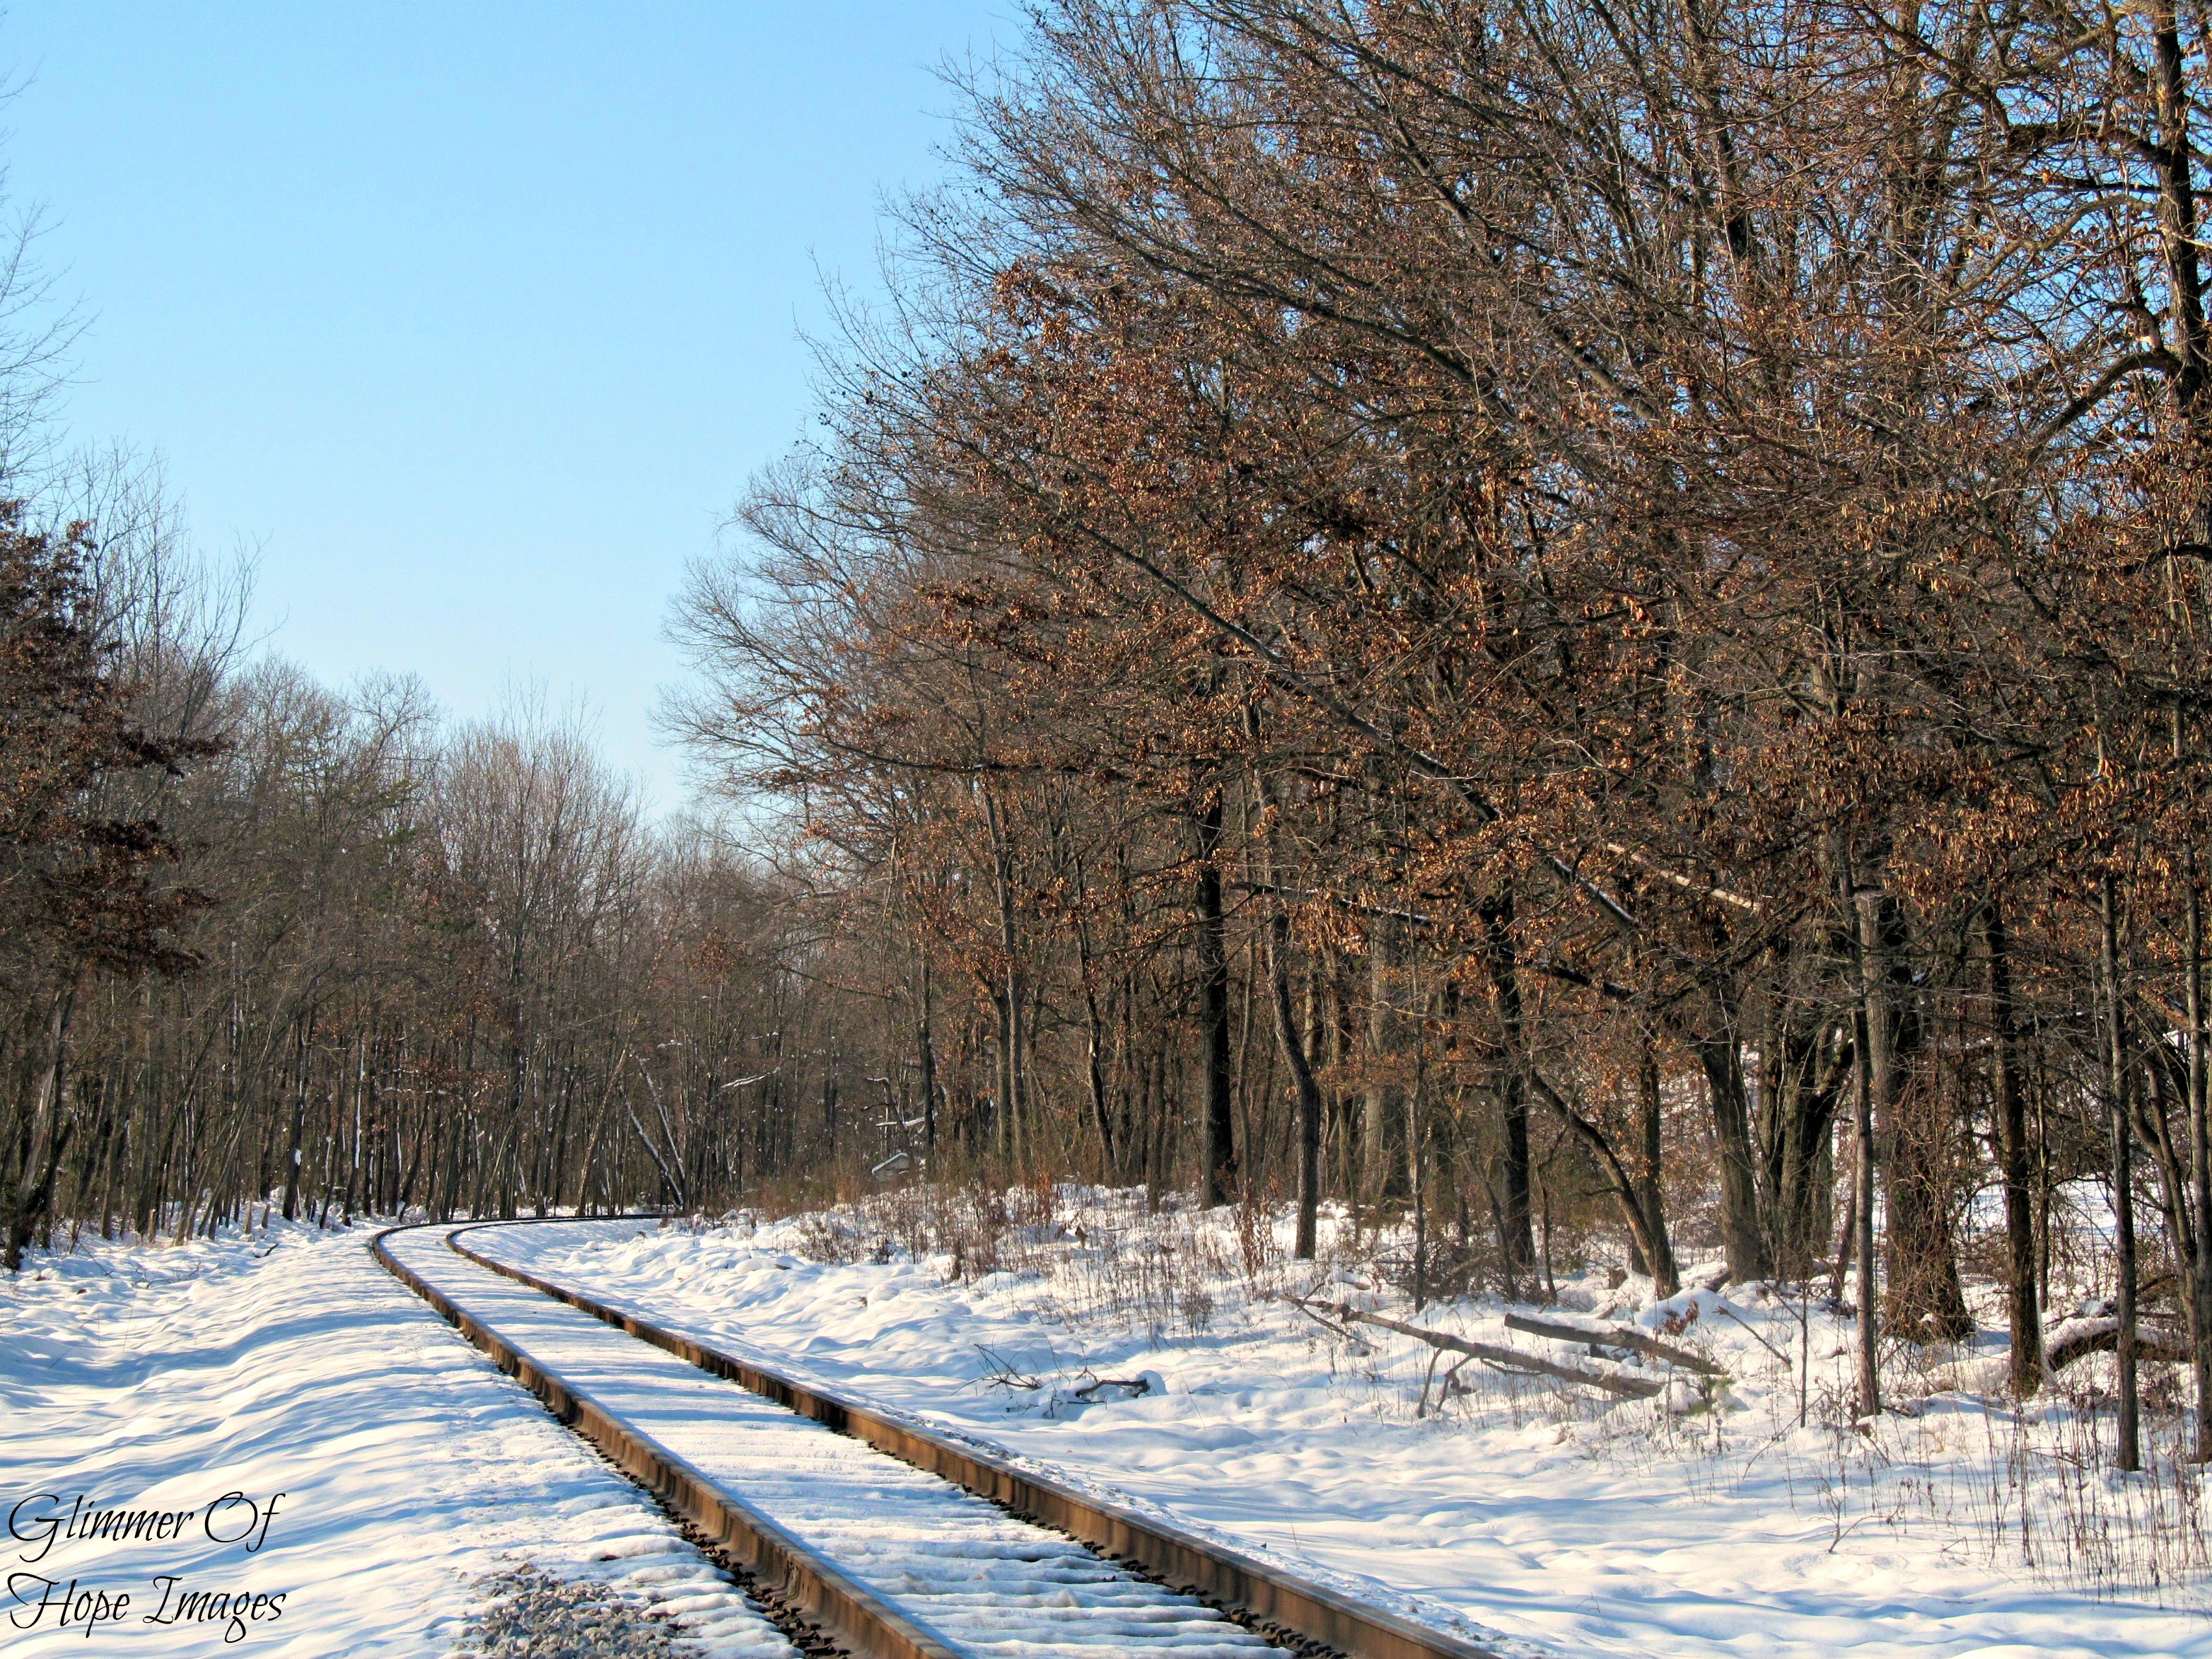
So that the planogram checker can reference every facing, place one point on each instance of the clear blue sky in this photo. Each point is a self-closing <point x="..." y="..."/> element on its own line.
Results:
<point x="475" y="318"/>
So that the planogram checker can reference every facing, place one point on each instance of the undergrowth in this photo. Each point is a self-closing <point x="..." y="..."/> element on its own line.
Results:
<point x="2029" y="1486"/>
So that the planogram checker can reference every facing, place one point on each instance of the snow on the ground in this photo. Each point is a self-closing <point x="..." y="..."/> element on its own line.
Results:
<point x="1568" y="1526"/>
<point x="985" y="1583"/>
<point x="413" y="1484"/>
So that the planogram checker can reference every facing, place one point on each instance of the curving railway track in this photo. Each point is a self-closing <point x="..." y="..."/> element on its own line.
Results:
<point x="866" y="1533"/>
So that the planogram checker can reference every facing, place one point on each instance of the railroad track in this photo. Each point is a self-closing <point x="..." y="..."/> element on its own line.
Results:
<point x="866" y="1533"/>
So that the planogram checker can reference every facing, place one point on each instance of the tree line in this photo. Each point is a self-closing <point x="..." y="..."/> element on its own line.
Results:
<point x="1536" y="617"/>
<point x="273" y="949"/>
<point x="1570" y="623"/>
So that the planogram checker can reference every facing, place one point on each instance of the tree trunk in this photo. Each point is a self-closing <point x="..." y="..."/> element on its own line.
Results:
<point x="2200" y="1170"/>
<point x="1220" y="1158"/>
<point x="2012" y="1145"/>
<point x="1647" y="1228"/>
<point x="1856" y="920"/>
<point x="1517" y="1242"/>
<point x="1926" y="1299"/>
<point x="1743" y="1242"/>
<point x="925" y="1047"/>
<point x="1002" y="870"/>
<point x="2123" y="1205"/>
<point x="1301" y="1077"/>
<point x="1382" y="1177"/>
<point x="1653" y="1243"/>
<point x="45" y="1138"/>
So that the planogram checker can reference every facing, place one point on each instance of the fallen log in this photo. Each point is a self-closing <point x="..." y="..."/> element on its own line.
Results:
<point x="2078" y="1337"/>
<point x="1637" y="1387"/>
<point x="1615" y="1336"/>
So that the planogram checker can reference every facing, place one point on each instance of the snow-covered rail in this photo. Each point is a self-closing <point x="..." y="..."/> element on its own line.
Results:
<point x="900" y="1559"/>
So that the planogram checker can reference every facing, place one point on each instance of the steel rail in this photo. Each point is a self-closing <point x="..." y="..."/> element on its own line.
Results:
<point x="843" y="1608"/>
<point x="1271" y="1599"/>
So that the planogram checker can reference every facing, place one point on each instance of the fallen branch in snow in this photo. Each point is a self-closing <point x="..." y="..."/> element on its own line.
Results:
<point x="1135" y="1385"/>
<point x="1640" y="1388"/>
<point x="1330" y="1326"/>
<point x="2077" y="1337"/>
<point x="1002" y="1374"/>
<point x="1617" y="1336"/>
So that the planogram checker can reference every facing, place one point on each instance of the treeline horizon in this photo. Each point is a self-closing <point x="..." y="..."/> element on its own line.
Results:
<point x="333" y="952"/>
<point x="1580" y="630"/>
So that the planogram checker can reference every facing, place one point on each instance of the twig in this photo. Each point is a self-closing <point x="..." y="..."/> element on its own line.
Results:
<point x="1353" y="1337"/>
<point x="1422" y="1410"/>
<point x="1755" y="1336"/>
<point x="1003" y="1374"/>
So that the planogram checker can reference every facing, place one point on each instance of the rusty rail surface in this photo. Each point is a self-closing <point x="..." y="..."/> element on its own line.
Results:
<point x="1259" y="1591"/>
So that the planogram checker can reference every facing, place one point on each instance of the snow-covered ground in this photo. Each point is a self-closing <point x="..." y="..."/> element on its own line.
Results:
<point x="981" y="1582"/>
<point x="1518" y="1510"/>
<point x="415" y="1488"/>
<point x="428" y="1506"/>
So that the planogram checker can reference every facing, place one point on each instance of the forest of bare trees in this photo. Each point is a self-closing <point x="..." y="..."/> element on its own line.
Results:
<point x="1582" y="627"/>
<point x="448" y="968"/>
<point x="273" y="948"/>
